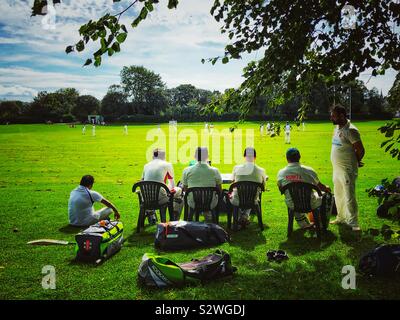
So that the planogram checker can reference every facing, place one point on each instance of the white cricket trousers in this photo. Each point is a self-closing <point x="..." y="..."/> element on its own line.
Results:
<point x="344" y="181"/>
<point x="102" y="214"/>
<point x="287" y="137"/>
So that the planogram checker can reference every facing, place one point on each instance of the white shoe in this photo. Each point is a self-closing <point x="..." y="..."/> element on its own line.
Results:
<point x="336" y="221"/>
<point x="356" y="228"/>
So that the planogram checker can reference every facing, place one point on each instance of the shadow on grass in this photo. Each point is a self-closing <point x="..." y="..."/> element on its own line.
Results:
<point x="248" y="238"/>
<point x="319" y="278"/>
<point x="359" y="242"/>
<point x="68" y="229"/>
<point x="301" y="242"/>
<point x="310" y="279"/>
<point x="143" y="238"/>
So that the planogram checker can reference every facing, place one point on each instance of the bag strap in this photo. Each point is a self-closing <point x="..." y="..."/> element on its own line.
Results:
<point x="211" y="271"/>
<point x="90" y="196"/>
<point x="189" y="235"/>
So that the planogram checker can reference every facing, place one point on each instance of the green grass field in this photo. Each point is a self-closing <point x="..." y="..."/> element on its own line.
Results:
<point x="41" y="164"/>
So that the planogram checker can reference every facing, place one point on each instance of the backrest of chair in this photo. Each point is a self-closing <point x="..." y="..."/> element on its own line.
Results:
<point x="300" y="192"/>
<point x="247" y="192"/>
<point x="150" y="193"/>
<point x="202" y="197"/>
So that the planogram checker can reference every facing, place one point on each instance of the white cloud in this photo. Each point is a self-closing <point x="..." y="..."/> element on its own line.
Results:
<point x="17" y="91"/>
<point x="383" y="83"/>
<point x="46" y="80"/>
<point x="169" y="42"/>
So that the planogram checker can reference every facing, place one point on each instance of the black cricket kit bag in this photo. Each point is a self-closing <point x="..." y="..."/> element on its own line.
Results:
<point x="177" y="235"/>
<point x="384" y="260"/>
<point x="99" y="241"/>
<point x="160" y="272"/>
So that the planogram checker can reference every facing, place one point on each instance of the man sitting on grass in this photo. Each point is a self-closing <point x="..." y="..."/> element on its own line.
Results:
<point x="80" y="206"/>
<point x="202" y="174"/>
<point x="247" y="171"/>
<point x="296" y="172"/>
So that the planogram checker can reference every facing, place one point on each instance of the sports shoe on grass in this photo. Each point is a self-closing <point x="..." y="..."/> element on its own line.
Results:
<point x="336" y="221"/>
<point x="308" y="227"/>
<point x="151" y="217"/>
<point x="356" y="228"/>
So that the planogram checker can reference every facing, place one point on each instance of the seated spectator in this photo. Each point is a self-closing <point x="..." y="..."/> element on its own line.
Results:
<point x="202" y="174"/>
<point x="248" y="171"/>
<point x="80" y="206"/>
<point x="296" y="172"/>
<point x="159" y="170"/>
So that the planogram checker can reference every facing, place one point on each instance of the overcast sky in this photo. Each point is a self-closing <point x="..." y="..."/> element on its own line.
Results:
<point x="169" y="42"/>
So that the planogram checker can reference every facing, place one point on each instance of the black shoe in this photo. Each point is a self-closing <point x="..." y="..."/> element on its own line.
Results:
<point x="151" y="217"/>
<point x="271" y="255"/>
<point x="281" y="255"/>
<point x="277" y="255"/>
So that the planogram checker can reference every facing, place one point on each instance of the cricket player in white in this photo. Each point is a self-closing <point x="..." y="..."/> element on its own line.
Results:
<point x="125" y="130"/>
<point x="160" y="170"/>
<point x="346" y="155"/>
<point x="202" y="174"/>
<point x="84" y="130"/>
<point x="268" y="128"/>
<point x="247" y="171"/>
<point x="93" y="130"/>
<point x="296" y="172"/>
<point x="262" y="129"/>
<point x="287" y="132"/>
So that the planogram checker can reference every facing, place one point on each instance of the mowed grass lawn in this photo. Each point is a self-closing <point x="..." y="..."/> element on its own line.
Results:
<point x="41" y="164"/>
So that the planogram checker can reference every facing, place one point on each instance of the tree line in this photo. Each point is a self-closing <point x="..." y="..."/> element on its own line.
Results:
<point x="141" y="95"/>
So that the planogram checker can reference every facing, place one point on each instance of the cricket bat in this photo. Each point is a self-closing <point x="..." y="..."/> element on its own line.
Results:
<point x="46" y="242"/>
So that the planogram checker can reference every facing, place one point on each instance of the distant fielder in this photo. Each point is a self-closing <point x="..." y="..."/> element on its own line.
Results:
<point x="287" y="132"/>
<point x="84" y="130"/>
<point x="268" y="128"/>
<point x="125" y="130"/>
<point x="93" y="130"/>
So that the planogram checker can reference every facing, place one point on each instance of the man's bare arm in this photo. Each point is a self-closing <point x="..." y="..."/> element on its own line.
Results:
<point x="110" y="205"/>
<point x="324" y="188"/>
<point x="359" y="151"/>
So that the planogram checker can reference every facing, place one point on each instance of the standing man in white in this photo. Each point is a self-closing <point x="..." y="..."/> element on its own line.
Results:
<point x="84" y="130"/>
<point x="262" y="129"/>
<point x="346" y="155"/>
<point x="268" y="128"/>
<point x="93" y="130"/>
<point x="125" y="130"/>
<point x="287" y="132"/>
